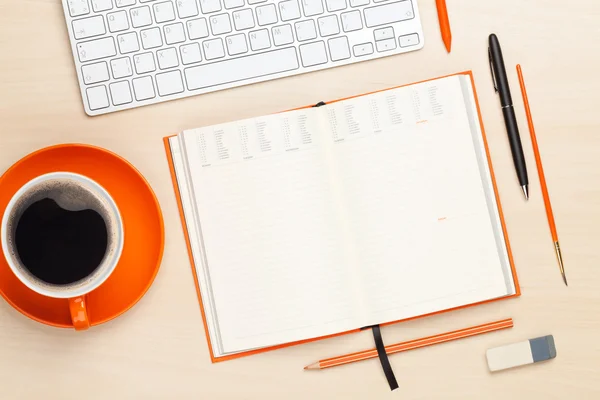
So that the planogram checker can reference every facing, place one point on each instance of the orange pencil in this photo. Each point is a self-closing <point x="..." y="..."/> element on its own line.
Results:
<point x="538" y="162"/>
<point x="444" y="23"/>
<point x="413" y="344"/>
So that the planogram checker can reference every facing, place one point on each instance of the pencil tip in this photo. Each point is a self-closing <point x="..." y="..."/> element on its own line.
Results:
<point x="565" y="279"/>
<point x="525" y="192"/>
<point x="312" y="366"/>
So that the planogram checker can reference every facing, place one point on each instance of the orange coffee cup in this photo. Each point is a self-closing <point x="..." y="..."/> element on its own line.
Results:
<point x="73" y="193"/>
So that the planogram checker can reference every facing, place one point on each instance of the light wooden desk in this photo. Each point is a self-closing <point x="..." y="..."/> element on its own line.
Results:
<point x="158" y="349"/>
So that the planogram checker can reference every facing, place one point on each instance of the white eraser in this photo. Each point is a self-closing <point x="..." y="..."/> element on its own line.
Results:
<point x="521" y="353"/>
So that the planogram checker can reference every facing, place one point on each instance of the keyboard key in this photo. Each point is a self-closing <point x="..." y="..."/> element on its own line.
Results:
<point x="328" y="25"/>
<point x="409" y="40"/>
<point x="384" y="33"/>
<point x="128" y="43"/>
<point x="305" y="30"/>
<point x="282" y="35"/>
<point x="244" y="19"/>
<point x="190" y="53"/>
<point x="143" y="88"/>
<point x="210" y="6"/>
<point x="312" y="7"/>
<point x="169" y="83"/>
<point x="164" y="12"/>
<point x="151" y="38"/>
<point x="233" y="3"/>
<point x="140" y="16"/>
<point x="94" y="73"/>
<point x="339" y="49"/>
<point x="120" y="92"/>
<point x="313" y="54"/>
<point x="125" y="3"/>
<point x="213" y="49"/>
<point x="388" y="13"/>
<point x="362" y="49"/>
<point x="174" y="33"/>
<point x="121" y="67"/>
<point x="255" y="1"/>
<point x="220" y="24"/>
<point x="144" y="62"/>
<point x="266" y="14"/>
<point x="186" y="8"/>
<point x="351" y="21"/>
<point x="385" y="45"/>
<point x="236" y="44"/>
<point x="167" y="58"/>
<point x="358" y="3"/>
<point x="335" y="5"/>
<point x="78" y="7"/>
<point x="289" y="10"/>
<point x="197" y="28"/>
<point x="97" y="97"/>
<point x="101" y="5"/>
<point x="239" y="69"/>
<point x="89" y="27"/>
<point x="117" y="21"/>
<point x="95" y="49"/>
<point x="259" y="40"/>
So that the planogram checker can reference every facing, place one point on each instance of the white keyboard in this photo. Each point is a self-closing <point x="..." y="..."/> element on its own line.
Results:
<point x="131" y="53"/>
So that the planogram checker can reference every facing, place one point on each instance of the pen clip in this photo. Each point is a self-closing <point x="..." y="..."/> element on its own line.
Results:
<point x="492" y="70"/>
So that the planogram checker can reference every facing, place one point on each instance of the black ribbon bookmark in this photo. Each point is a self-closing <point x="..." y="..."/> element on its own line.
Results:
<point x="383" y="358"/>
<point x="320" y="104"/>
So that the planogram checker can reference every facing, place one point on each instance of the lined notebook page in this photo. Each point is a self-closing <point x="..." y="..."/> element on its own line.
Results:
<point x="271" y="232"/>
<point x="415" y="199"/>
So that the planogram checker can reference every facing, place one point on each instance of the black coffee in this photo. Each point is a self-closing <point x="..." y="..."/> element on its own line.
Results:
<point x="60" y="247"/>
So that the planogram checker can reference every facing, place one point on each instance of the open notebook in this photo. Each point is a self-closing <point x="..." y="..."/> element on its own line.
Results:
<point x="323" y="220"/>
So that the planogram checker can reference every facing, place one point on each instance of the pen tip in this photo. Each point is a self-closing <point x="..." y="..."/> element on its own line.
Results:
<point x="565" y="279"/>
<point x="525" y="192"/>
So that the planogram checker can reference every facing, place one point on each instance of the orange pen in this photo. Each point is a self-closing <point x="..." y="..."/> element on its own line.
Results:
<point x="444" y="23"/>
<point x="540" y="168"/>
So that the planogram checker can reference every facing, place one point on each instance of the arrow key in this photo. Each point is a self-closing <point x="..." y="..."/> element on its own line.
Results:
<point x="386" y="45"/>
<point x="363" y="49"/>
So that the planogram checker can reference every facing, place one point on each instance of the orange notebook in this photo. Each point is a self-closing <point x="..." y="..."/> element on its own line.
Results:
<point x="316" y="222"/>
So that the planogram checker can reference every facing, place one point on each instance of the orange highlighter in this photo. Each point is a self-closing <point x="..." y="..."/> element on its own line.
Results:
<point x="444" y="23"/>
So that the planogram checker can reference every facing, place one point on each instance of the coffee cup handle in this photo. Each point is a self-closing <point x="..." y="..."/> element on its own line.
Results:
<point x="79" y="314"/>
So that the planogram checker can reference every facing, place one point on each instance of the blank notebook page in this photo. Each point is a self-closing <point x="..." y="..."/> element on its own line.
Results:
<point x="271" y="233"/>
<point x="416" y="200"/>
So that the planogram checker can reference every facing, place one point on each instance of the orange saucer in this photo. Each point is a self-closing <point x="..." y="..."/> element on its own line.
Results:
<point x="142" y="220"/>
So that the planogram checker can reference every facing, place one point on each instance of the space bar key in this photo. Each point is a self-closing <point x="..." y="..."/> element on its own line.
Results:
<point x="243" y="68"/>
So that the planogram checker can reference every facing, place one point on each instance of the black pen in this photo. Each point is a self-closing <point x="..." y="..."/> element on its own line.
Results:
<point x="502" y="87"/>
